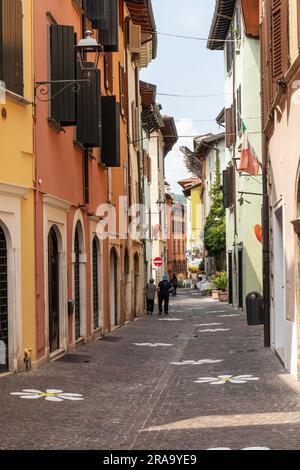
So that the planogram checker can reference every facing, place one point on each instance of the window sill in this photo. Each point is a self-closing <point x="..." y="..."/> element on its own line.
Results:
<point x="17" y="98"/>
<point x="78" y="146"/>
<point x="55" y="126"/>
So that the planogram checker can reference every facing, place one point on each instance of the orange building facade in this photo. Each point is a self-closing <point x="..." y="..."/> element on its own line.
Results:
<point x="82" y="161"/>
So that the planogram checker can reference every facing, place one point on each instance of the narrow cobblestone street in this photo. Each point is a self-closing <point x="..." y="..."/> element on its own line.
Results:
<point x="139" y="393"/>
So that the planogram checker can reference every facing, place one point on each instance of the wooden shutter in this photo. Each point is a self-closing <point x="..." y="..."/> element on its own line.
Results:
<point x="134" y="40"/>
<point x="239" y="108"/>
<point x="279" y="31"/>
<point x="108" y="72"/>
<point x="110" y="153"/>
<point x="225" y="190"/>
<point x="231" y="185"/>
<point x="135" y="124"/>
<point x="149" y="169"/>
<point x="62" y="57"/>
<point x="229" y="130"/>
<point x="123" y="91"/>
<point x="121" y="13"/>
<point x="233" y="116"/>
<point x="89" y="115"/>
<point x="266" y="63"/>
<point x="11" y="58"/>
<point x="103" y="15"/>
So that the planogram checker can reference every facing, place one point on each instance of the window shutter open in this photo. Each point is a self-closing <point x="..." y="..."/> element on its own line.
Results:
<point x="103" y="15"/>
<point x="233" y="116"/>
<point x="89" y="115"/>
<point x="225" y="190"/>
<point x="239" y="108"/>
<point x="135" y="37"/>
<point x="266" y="62"/>
<point x="231" y="185"/>
<point x="108" y="72"/>
<point x="11" y="29"/>
<point x="62" y="56"/>
<point x="279" y="29"/>
<point x="229" y="130"/>
<point x="110" y="153"/>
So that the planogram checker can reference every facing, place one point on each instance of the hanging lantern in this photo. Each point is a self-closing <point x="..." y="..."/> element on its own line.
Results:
<point x="258" y="232"/>
<point x="86" y="46"/>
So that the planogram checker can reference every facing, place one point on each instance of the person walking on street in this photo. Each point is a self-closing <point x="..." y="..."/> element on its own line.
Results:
<point x="174" y="283"/>
<point x="150" y="296"/>
<point x="164" y="294"/>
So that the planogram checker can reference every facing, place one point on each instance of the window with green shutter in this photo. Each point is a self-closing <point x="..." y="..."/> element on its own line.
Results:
<point x="11" y="45"/>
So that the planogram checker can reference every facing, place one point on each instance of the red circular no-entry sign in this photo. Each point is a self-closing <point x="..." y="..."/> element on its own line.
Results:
<point x="158" y="262"/>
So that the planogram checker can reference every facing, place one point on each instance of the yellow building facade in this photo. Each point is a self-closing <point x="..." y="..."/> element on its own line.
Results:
<point x="197" y="219"/>
<point x="17" y="254"/>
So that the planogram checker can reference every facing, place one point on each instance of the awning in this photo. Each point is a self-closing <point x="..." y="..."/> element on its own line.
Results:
<point x="141" y="13"/>
<point x="220" y="24"/>
<point x="192" y="161"/>
<point x="170" y="135"/>
<point x="151" y="117"/>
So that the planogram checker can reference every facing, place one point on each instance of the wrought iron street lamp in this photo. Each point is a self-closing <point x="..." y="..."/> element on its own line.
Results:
<point x="88" y="52"/>
<point x="85" y="46"/>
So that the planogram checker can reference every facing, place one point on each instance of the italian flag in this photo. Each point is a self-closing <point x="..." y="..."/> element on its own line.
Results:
<point x="249" y="161"/>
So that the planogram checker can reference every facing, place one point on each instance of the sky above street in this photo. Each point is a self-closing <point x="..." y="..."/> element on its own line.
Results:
<point x="186" y="67"/>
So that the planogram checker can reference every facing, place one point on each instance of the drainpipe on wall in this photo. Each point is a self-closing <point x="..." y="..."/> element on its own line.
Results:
<point x="266" y="245"/>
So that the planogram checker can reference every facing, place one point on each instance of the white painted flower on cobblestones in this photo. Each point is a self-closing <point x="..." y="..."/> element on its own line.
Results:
<point x="197" y="363"/>
<point x="170" y="319"/>
<point x="223" y="379"/>
<point x="153" y="345"/>
<point x="214" y="330"/>
<point x="49" y="395"/>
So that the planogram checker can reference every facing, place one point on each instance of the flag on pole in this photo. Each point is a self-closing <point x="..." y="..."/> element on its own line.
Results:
<point x="249" y="161"/>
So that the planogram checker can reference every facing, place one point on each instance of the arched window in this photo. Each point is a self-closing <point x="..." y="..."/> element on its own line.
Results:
<point x="95" y="283"/>
<point x="77" y="282"/>
<point x="3" y="304"/>
<point x="53" y="289"/>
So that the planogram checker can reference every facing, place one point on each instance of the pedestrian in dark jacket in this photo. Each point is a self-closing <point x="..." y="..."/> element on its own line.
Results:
<point x="164" y="295"/>
<point x="174" y="283"/>
<point x="150" y="296"/>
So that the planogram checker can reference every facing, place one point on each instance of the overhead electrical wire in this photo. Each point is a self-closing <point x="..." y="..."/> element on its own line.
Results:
<point x="182" y="36"/>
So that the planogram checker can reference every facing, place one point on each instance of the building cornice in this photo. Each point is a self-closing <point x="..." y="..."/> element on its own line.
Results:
<point x="56" y="203"/>
<point x="13" y="190"/>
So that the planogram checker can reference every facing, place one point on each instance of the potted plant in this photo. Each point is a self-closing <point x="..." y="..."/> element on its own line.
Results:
<point x="214" y="289"/>
<point x="220" y="281"/>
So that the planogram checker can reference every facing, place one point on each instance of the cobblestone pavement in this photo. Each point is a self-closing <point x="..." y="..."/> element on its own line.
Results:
<point x="134" y="397"/>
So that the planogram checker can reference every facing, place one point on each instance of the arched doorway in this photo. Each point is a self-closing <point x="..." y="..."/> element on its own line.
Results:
<point x="53" y="290"/>
<point x="96" y="297"/>
<point x="127" y="286"/>
<point x="4" y="363"/>
<point x="136" y="284"/>
<point x="113" y="289"/>
<point x="77" y="282"/>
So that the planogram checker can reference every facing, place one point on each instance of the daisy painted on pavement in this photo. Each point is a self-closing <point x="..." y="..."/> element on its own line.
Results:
<point x="49" y="395"/>
<point x="223" y="379"/>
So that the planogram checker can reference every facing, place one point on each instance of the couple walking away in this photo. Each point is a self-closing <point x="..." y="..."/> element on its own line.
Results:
<point x="163" y="290"/>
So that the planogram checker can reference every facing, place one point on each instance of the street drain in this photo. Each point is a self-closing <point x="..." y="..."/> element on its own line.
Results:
<point x="75" y="358"/>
